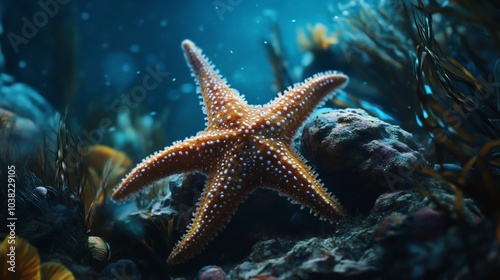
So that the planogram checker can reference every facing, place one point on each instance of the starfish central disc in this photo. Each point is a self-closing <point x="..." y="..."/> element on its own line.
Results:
<point x="243" y="147"/>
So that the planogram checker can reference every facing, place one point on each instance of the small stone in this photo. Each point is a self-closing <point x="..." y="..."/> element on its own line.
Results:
<point x="212" y="273"/>
<point x="41" y="191"/>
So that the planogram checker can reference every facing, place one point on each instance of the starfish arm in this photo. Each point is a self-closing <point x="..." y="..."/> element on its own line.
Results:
<point x="224" y="191"/>
<point x="290" y="176"/>
<point x="223" y="106"/>
<point x="291" y="109"/>
<point x="193" y="154"/>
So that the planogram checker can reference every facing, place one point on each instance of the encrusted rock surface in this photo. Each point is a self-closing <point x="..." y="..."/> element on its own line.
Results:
<point x="364" y="247"/>
<point x="362" y="154"/>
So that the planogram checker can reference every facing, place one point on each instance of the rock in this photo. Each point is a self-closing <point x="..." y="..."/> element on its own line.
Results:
<point x="121" y="269"/>
<point x="367" y="155"/>
<point x="28" y="120"/>
<point x="421" y="239"/>
<point x="403" y="223"/>
<point x="425" y="224"/>
<point x="461" y="252"/>
<point x="306" y="259"/>
<point x="411" y="201"/>
<point x="211" y="272"/>
<point x="26" y="102"/>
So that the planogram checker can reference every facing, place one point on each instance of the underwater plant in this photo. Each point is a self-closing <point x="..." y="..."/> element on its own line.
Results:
<point x="442" y="85"/>
<point x="318" y="39"/>
<point x="455" y="88"/>
<point x="459" y="107"/>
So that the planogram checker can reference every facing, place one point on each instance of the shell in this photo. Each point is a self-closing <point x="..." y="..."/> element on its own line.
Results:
<point x="99" y="248"/>
<point x="55" y="270"/>
<point x="41" y="191"/>
<point x="24" y="258"/>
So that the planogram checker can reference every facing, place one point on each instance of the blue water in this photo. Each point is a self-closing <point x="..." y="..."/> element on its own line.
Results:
<point x="88" y="57"/>
<point x="117" y="43"/>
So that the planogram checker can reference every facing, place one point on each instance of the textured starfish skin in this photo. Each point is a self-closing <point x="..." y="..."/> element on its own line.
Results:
<point x="243" y="147"/>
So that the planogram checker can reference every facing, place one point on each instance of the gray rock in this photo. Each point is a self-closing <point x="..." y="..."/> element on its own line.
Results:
<point x="350" y="140"/>
<point x="28" y="119"/>
<point x="356" y="153"/>
<point x="363" y="247"/>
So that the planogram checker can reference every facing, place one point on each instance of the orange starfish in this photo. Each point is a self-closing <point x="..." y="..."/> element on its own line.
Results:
<point x="243" y="147"/>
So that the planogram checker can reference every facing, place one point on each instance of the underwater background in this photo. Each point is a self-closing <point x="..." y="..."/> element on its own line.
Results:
<point x="111" y="48"/>
<point x="410" y="147"/>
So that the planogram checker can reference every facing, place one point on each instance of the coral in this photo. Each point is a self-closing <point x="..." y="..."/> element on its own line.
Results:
<point x="317" y="38"/>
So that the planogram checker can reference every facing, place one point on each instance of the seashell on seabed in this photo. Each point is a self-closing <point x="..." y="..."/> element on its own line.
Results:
<point x="99" y="248"/>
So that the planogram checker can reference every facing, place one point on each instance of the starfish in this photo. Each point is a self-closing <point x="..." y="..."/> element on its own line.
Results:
<point x="243" y="147"/>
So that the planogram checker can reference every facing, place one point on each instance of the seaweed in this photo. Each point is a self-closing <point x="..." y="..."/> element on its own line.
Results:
<point x="381" y="38"/>
<point x="459" y="109"/>
<point x="438" y="72"/>
<point x="442" y="60"/>
<point x="446" y="89"/>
